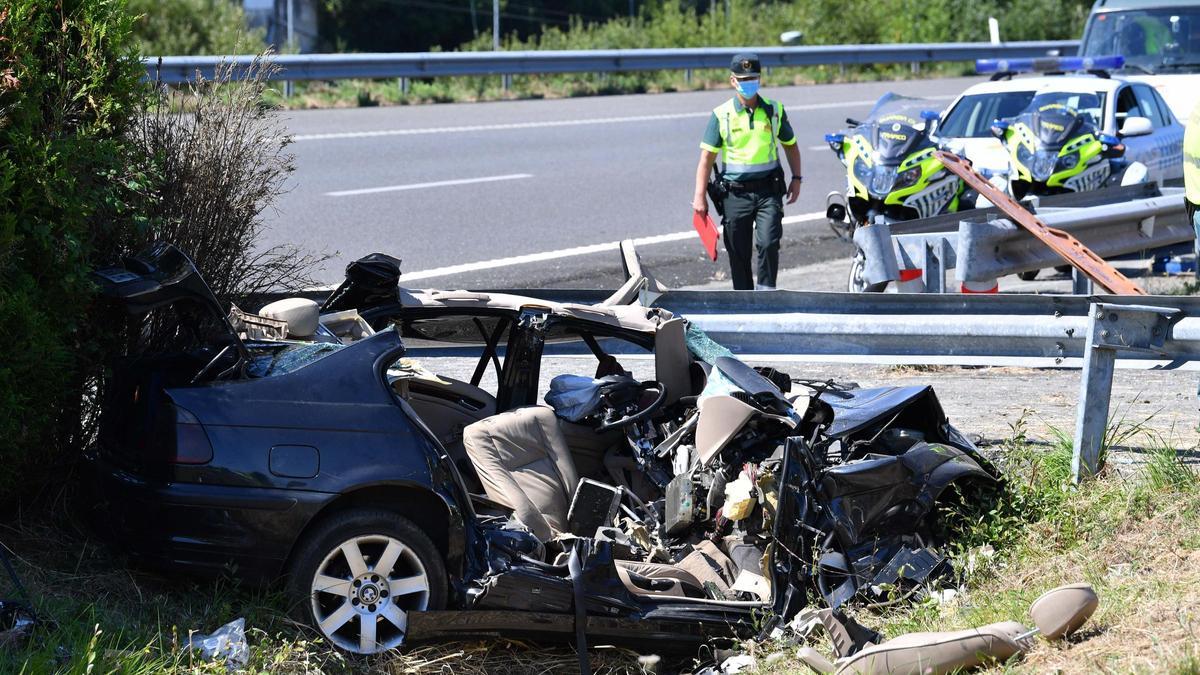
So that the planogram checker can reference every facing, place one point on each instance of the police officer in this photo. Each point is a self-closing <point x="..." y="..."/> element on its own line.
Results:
<point x="1191" y="176"/>
<point x="747" y="130"/>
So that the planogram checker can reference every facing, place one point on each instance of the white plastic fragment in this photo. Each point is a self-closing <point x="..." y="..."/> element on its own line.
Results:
<point x="227" y="644"/>
<point x="742" y="663"/>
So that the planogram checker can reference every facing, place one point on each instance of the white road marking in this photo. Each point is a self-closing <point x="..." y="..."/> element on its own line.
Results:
<point x="560" y="123"/>
<point x="575" y="251"/>
<point x="433" y="184"/>
<point x="819" y="147"/>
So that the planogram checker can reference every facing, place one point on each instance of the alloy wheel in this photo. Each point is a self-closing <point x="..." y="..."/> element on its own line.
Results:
<point x="363" y="590"/>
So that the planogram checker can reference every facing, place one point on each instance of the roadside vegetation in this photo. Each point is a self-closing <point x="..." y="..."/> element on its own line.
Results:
<point x="1133" y="534"/>
<point x="190" y="27"/>
<point x="747" y="22"/>
<point x="96" y="164"/>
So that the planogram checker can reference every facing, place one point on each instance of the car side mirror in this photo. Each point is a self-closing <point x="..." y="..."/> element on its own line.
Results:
<point x="1136" y="126"/>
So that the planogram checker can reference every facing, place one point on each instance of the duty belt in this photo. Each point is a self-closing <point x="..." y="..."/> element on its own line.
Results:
<point x="751" y="185"/>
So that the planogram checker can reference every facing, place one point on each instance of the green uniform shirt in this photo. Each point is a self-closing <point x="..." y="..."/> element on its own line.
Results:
<point x="757" y="122"/>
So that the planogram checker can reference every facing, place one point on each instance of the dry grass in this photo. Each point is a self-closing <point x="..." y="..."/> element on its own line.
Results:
<point x="1134" y="537"/>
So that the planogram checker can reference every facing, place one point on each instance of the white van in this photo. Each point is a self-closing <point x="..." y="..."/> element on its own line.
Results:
<point x="1160" y="40"/>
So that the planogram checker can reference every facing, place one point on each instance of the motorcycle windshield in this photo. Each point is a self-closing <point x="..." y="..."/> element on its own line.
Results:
<point x="896" y="127"/>
<point x="1057" y="117"/>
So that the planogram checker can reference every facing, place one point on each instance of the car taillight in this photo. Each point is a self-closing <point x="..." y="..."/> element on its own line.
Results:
<point x="191" y="443"/>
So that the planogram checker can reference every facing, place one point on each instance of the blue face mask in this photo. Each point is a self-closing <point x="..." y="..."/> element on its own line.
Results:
<point x="747" y="88"/>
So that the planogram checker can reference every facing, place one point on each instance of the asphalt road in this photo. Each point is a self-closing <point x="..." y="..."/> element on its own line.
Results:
<point x="504" y="194"/>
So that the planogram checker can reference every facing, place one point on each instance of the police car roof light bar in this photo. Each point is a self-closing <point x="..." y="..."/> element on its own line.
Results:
<point x="1062" y="64"/>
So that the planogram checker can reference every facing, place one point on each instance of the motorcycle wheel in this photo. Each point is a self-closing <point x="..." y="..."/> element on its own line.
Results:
<point x="856" y="283"/>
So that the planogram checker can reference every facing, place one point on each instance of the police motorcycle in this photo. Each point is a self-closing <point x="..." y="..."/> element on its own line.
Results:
<point x="1055" y="147"/>
<point x="891" y="174"/>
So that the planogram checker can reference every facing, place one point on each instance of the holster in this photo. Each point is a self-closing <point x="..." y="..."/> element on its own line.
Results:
<point x="717" y="190"/>
<point x="778" y="183"/>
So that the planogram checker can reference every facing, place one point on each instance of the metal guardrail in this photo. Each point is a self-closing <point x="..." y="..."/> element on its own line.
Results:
<point x="964" y="329"/>
<point x="984" y="249"/>
<point x="178" y="69"/>
<point x="1063" y="330"/>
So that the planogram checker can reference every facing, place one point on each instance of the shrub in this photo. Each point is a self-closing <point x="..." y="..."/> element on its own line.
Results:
<point x="219" y="159"/>
<point x="69" y="89"/>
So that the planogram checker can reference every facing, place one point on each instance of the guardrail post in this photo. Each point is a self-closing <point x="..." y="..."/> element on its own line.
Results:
<point x="404" y="86"/>
<point x="506" y="81"/>
<point x="687" y="76"/>
<point x="1111" y="328"/>
<point x="936" y="257"/>
<point x="1080" y="283"/>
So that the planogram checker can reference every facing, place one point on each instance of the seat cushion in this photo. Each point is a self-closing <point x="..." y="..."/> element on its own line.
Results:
<point x="933" y="653"/>
<point x="522" y="459"/>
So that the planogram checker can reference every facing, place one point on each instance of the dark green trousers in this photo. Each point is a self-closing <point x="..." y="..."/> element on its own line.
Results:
<point x="756" y="216"/>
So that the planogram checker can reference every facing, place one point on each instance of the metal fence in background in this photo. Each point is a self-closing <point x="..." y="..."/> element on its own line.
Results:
<point x="179" y="69"/>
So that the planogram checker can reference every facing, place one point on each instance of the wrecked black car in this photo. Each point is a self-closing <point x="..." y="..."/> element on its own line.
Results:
<point x="401" y="504"/>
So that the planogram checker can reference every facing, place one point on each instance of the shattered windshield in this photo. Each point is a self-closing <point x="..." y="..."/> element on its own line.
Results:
<point x="1151" y="40"/>
<point x="286" y="357"/>
<point x="703" y="347"/>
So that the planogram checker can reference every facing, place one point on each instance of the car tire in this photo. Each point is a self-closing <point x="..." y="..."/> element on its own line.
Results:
<point x="1028" y="275"/>
<point x="356" y="576"/>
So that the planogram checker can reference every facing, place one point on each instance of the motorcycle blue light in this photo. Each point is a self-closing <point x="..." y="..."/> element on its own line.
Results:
<point x="929" y="115"/>
<point x="1062" y="63"/>
<point x="835" y="138"/>
<point x="1109" y="140"/>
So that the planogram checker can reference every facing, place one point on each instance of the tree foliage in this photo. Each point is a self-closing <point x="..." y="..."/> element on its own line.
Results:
<point x="189" y="27"/>
<point x="69" y="88"/>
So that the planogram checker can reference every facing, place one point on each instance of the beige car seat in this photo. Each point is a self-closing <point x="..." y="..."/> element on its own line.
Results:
<point x="1057" y="613"/>
<point x="522" y="459"/>
<point x="524" y="463"/>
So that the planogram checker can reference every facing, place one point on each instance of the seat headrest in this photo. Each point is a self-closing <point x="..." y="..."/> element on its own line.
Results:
<point x="300" y="314"/>
<point x="1061" y="611"/>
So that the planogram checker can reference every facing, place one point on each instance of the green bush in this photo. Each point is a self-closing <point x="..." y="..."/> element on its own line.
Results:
<point x="68" y="90"/>
<point x="188" y="27"/>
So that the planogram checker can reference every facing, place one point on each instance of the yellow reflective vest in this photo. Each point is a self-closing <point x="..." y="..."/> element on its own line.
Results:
<point x="1191" y="157"/>
<point x="745" y="150"/>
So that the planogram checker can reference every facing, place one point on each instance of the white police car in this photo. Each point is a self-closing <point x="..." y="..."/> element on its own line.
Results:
<point x="1132" y="111"/>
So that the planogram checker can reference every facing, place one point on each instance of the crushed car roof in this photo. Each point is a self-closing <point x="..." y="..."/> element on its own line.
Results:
<point x="630" y="317"/>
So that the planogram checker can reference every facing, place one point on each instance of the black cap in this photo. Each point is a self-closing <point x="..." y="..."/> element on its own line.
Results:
<point x="745" y="64"/>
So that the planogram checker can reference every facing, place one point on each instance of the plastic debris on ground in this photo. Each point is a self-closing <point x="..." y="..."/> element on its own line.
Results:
<point x="1178" y="264"/>
<point x="16" y="624"/>
<point x="227" y="644"/>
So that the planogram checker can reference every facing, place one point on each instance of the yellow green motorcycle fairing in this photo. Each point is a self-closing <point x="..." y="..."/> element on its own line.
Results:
<point x="1054" y="146"/>
<point x="890" y="164"/>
